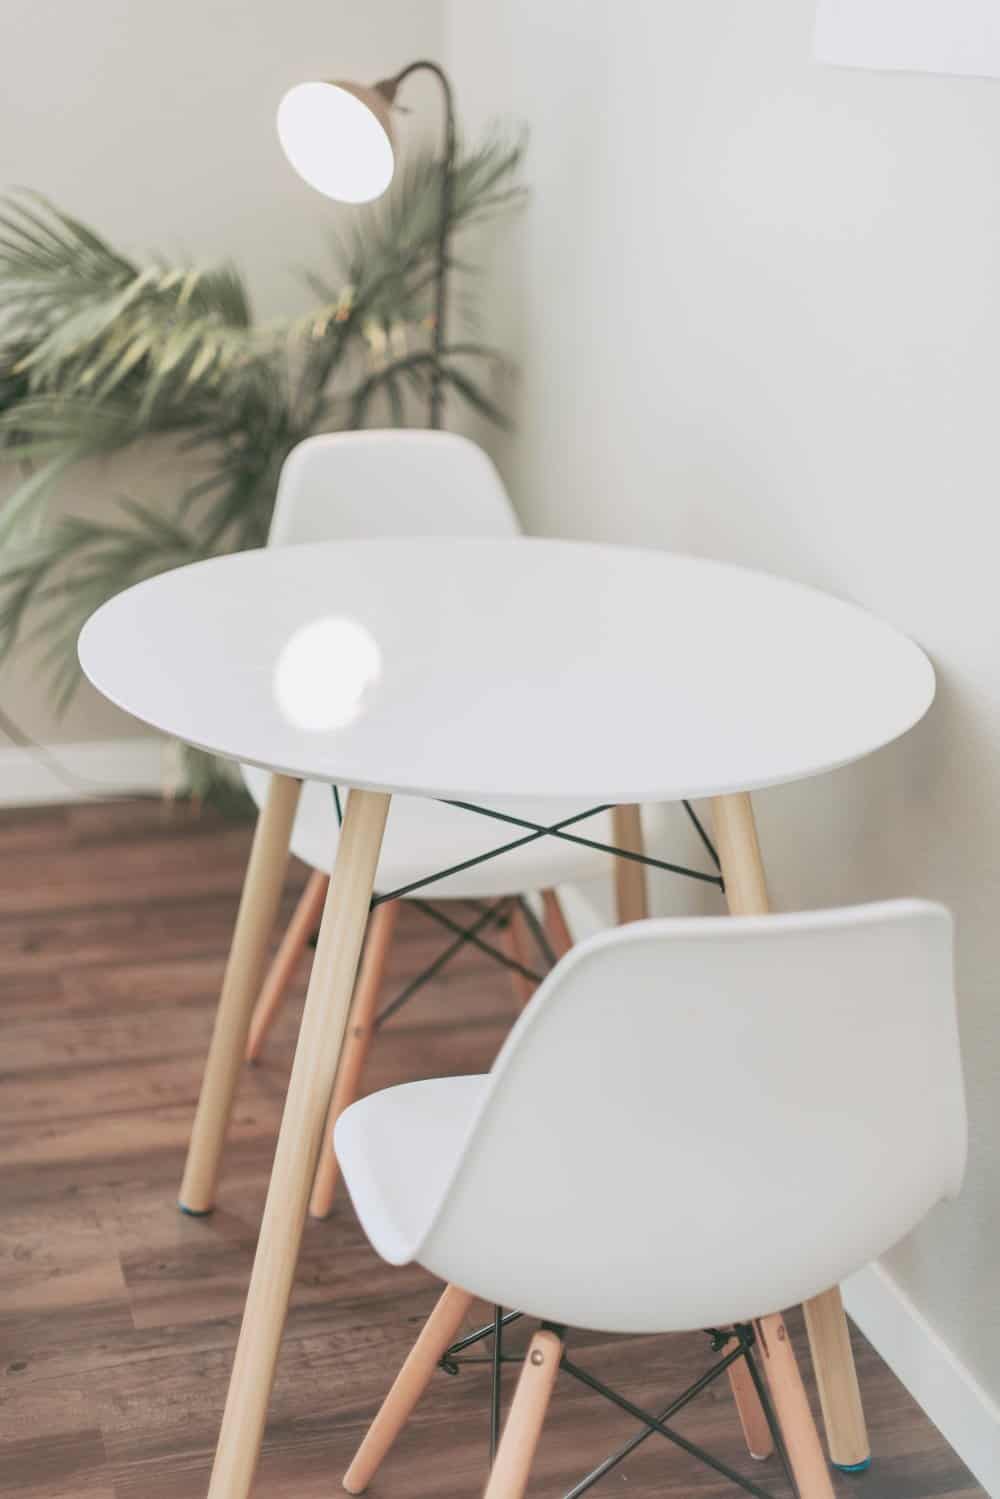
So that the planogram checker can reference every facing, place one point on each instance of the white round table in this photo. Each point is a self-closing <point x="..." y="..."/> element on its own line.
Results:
<point x="478" y="670"/>
<point x="482" y="668"/>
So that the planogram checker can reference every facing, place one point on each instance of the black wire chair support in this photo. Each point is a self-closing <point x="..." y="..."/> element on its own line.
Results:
<point x="455" y="1358"/>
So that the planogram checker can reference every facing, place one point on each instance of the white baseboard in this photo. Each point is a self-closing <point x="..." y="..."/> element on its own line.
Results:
<point x="75" y="771"/>
<point x="965" y="1414"/>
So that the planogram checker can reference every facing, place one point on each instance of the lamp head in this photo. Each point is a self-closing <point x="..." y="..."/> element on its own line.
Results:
<point x="338" y="137"/>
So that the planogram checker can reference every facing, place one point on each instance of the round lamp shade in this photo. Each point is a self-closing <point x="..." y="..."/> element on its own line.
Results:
<point x="336" y="136"/>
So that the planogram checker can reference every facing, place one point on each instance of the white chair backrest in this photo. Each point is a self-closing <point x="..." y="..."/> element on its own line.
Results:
<point x="702" y="1121"/>
<point x="393" y="483"/>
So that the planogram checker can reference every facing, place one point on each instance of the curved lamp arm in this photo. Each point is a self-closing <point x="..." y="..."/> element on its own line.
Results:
<point x="388" y="88"/>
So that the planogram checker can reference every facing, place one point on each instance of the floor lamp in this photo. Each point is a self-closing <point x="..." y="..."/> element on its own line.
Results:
<point x="339" y="138"/>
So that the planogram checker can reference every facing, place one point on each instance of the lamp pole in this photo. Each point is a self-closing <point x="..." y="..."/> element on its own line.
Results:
<point x="388" y="88"/>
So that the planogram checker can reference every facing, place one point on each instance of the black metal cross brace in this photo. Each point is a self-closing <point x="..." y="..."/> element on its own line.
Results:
<point x="501" y="910"/>
<point x="742" y="1335"/>
<point x="557" y="830"/>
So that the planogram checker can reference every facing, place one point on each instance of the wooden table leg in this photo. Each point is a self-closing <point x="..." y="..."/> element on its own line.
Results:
<point x="321" y="1035"/>
<point x="357" y="1041"/>
<point x="829" y="1338"/>
<point x="631" y="896"/>
<point x="254" y="922"/>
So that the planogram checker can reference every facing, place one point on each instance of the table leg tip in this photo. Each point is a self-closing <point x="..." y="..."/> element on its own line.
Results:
<point x="195" y="1212"/>
<point x="861" y="1467"/>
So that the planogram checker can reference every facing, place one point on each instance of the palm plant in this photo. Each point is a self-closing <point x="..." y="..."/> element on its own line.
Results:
<point x="100" y="352"/>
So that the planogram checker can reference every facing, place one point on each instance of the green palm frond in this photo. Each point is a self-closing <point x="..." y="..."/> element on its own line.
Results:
<point x="43" y="250"/>
<point x="100" y="351"/>
<point x="86" y="322"/>
<point x="67" y="572"/>
<point x="386" y="254"/>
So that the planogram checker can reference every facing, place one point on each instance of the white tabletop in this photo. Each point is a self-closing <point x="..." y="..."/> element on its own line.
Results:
<point x="480" y="669"/>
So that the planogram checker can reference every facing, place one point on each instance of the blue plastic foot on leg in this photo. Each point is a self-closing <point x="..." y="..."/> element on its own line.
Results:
<point x="853" y="1467"/>
<point x="196" y="1212"/>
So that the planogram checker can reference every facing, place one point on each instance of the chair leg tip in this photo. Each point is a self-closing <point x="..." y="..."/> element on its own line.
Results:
<point x="350" y="1487"/>
<point x="195" y="1212"/>
<point x="861" y="1467"/>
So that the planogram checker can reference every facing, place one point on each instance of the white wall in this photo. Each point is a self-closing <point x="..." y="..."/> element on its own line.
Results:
<point x="756" y="306"/>
<point x="155" y="123"/>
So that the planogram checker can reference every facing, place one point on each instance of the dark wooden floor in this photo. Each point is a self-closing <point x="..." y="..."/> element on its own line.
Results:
<point x="118" y="1315"/>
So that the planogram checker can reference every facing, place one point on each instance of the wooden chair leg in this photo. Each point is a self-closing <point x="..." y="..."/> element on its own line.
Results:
<point x="254" y="921"/>
<point x="837" y="1378"/>
<point x="555" y="924"/>
<point x="509" y="1476"/>
<point x="303" y="924"/>
<point x="360" y="1030"/>
<point x="517" y="941"/>
<point x="826" y="1325"/>
<point x="805" y="1453"/>
<point x="437" y="1335"/>
<point x="753" y="1421"/>
<point x="631" y="895"/>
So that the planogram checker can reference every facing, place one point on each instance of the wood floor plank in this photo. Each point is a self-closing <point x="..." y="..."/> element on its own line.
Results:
<point x="119" y="1316"/>
<point x="51" y="1446"/>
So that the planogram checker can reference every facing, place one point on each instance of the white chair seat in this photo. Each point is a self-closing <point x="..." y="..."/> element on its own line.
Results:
<point x="398" y="1148"/>
<point x="423" y="836"/>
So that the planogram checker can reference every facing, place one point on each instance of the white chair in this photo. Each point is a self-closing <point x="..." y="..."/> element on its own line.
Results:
<point x="670" y="1062"/>
<point x="409" y="483"/>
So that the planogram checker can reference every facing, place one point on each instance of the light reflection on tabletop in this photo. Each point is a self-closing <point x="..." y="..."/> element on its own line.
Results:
<point x="325" y="672"/>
